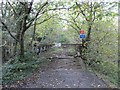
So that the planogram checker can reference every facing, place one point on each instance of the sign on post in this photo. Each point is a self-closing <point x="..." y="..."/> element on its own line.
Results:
<point x="82" y="34"/>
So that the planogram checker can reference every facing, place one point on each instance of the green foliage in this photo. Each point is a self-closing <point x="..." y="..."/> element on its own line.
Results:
<point x="48" y="29"/>
<point x="62" y="39"/>
<point x="109" y="70"/>
<point x="16" y="69"/>
<point x="102" y="52"/>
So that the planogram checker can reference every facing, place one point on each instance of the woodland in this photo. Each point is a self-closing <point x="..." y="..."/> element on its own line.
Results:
<point x="25" y="25"/>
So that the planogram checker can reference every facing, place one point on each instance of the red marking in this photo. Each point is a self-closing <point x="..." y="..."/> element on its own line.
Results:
<point x="82" y="32"/>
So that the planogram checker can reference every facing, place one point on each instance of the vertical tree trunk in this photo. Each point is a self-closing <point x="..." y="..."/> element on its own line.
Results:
<point x="19" y="25"/>
<point x="22" y="46"/>
<point x="88" y="34"/>
<point x="23" y="29"/>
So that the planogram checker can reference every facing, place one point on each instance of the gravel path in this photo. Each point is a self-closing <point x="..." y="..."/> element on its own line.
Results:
<point x="65" y="73"/>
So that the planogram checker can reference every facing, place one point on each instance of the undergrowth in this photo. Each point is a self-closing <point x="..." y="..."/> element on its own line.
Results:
<point x="101" y="62"/>
<point x="14" y="69"/>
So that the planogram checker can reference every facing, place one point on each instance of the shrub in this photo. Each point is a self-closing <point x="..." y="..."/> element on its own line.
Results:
<point x="16" y="70"/>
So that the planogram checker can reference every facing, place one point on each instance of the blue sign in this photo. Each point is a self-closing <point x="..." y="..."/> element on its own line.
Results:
<point x="82" y="35"/>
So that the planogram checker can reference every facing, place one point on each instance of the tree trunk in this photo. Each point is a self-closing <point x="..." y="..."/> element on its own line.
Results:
<point x="22" y="39"/>
<point x="22" y="33"/>
<point x="22" y="46"/>
<point x="19" y="26"/>
<point x="88" y="34"/>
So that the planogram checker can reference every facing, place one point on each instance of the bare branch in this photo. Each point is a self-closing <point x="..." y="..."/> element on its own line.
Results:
<point x="77" y="15"/>
<point x="8" y="30"/>
<point x="30" y="23"/>
<point x="72" y="25"/>
<point x="31" y="3"/>
<point x="12" y="8"/>
<point x="46" y="3"/>
<point x="41" y="9"/>
<point x="43" y="21"/>
<point x="53" y="9"/>
<point x="67" y="20"/>
<point x="94" y="16"/>
<point x="21" y="3"/>
<point x="81" y="11"/>
<point x="75" y="23"/>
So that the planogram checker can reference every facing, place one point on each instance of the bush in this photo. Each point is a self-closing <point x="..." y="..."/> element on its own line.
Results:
<point x="102" y="55"/>
<point x="17" y="70"/>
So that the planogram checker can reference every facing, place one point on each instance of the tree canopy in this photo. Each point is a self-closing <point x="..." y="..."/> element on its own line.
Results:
<point x="25" y="23"/>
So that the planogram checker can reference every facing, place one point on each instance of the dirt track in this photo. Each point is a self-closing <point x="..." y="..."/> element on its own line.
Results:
<point x="66" y="72"/>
